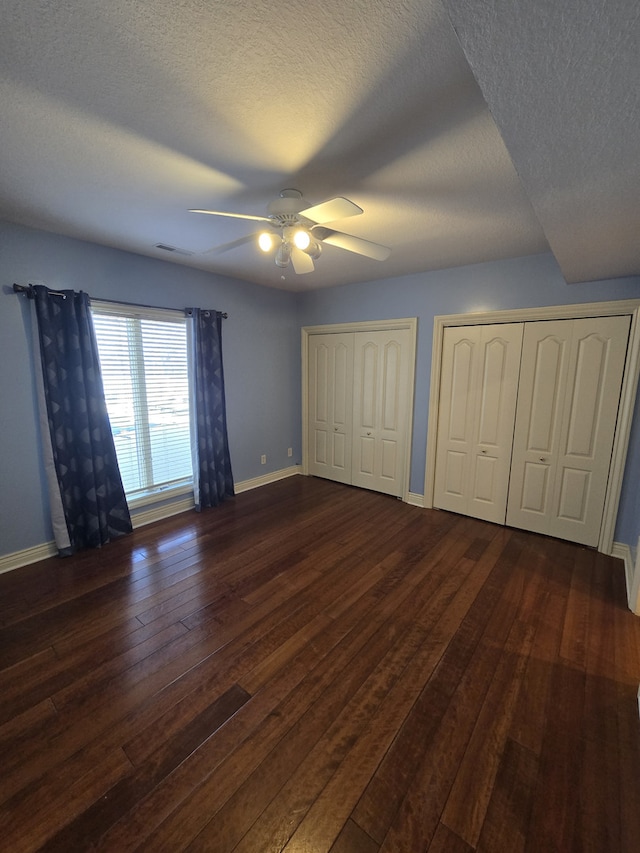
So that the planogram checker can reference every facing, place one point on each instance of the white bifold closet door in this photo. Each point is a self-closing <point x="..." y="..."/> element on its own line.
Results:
<point x="330" y="406"/>
<point x="358" y="408"/>
<point x="527" y="419"/>
<point x="478" y="390"/>
<point x="565" y="424"/>
<point x="381" y="375"/>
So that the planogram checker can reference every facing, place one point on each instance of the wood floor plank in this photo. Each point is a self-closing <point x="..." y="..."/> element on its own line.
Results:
<point x="353" y="839"/>
<point x="23" y="724"/>
<point x="35" y="813"/>
<point x="467" y="804"/>
<point x="311" y="666"/>
<point x="557" y="795"/>
<point x="471" y="791"/>
<point x="129" y="790"/>
<point x="529" y="718"/>
<point x="508" y="813"/>
<point x="446" y="841"/>
<point x="576" y="621"/>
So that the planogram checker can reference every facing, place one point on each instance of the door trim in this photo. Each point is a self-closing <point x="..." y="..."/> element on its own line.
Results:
<point x="630" y="307"/>
<point x="410" y="323"/>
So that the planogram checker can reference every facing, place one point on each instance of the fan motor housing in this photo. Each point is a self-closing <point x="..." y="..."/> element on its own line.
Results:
<point x="287" y="206"/>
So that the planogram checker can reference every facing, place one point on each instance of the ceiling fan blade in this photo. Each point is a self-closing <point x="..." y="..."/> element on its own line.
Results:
<point x="233" y="215"/>
<point x="301" y="262"/>
<point x="332" y="210"/>
<point x="217" y="250"/>
<point x="375" y="251"/>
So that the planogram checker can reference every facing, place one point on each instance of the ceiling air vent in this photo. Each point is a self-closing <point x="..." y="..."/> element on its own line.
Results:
<point x="174" y="249"/>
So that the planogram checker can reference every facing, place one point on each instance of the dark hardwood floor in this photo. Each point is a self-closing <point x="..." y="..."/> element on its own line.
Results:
<point x="311" y="668"/>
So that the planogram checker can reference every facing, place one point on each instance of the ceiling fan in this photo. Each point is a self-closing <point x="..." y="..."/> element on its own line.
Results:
<point x="297" y="232"/>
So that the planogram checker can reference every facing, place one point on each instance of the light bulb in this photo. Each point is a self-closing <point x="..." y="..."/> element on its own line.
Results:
<point x="265" y="241"/>
<point x="301" y="239"/>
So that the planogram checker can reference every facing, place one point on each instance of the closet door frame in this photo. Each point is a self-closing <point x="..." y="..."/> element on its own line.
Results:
<point x="630" y="307"/>
<point x="410" y="323"/>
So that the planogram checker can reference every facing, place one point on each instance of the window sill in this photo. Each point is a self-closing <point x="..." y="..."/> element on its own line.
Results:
<point x="155" y="497"/>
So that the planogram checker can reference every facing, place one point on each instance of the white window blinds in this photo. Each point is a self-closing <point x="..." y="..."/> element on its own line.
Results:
<point x="143" y="358"/>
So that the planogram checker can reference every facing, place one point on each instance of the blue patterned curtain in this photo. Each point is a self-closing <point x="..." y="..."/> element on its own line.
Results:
<point x="88" y="503"/>
<point x="213" y="480"/>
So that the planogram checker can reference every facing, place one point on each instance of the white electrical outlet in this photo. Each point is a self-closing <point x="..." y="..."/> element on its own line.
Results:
<point x="263" y="459"/>
<point x="290" y="451"/>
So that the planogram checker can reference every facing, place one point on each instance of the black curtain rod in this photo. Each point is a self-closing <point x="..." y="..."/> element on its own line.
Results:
<point x="28" y="289"/>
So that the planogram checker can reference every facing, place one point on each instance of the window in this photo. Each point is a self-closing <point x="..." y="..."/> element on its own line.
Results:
<point x="143" y="357"/>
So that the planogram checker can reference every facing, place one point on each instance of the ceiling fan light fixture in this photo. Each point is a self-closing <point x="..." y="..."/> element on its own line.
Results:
<point x="297" y="233"/>
<point x="266" y="241"/>
<point x="283" y="255"/>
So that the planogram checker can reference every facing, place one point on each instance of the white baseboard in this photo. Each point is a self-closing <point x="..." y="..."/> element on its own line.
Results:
<point x="634" y="595"/>
<point x="265" y="479"/>
<point x="623" y="552"/>
<point x="8" y="562"/>
<point x="632" y="577"/>
<point x="415" y="499"/>
<point x="29" y="555"/>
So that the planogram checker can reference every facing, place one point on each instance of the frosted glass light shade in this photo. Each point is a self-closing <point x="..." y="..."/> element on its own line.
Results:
<point x="266" y="241"/>
<point x="283" y="255"/>
<point x="301" y="239"/>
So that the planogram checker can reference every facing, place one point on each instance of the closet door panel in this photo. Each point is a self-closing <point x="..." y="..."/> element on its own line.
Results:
<point x="573" y="499"/>
<point x="492" y="391"/>
<point x="339" y="456"/>
<point x="535" y="488"/>
<point x="454" y="479"/>
<point x="340" y="384"/>
<point x="456" y="418"/>
<point x="543" y="377"/>
<point x="479" y="382"/>
<point x="330" y="406"/>
<point x="570" y="384"/>
<point x="366" y="457"/>
<point x="500" y="349"/>
<point x="485" y="478"/>
<point x="459" y="379"/>
<point x="595" y="369"/>
<point x="320" y="454"/>
<point x="367" y="386"/>
<point x="389" y="463"/>
<point x="543" y="383"/>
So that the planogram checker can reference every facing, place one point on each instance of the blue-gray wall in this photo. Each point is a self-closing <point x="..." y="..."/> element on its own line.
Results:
<point x="261" y="342"/>
<point x="261" y="350"/>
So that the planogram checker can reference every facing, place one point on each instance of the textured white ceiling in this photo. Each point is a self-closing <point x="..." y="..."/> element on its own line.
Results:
<point x="563" y="83"/>
<point x="117" y="117"/>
